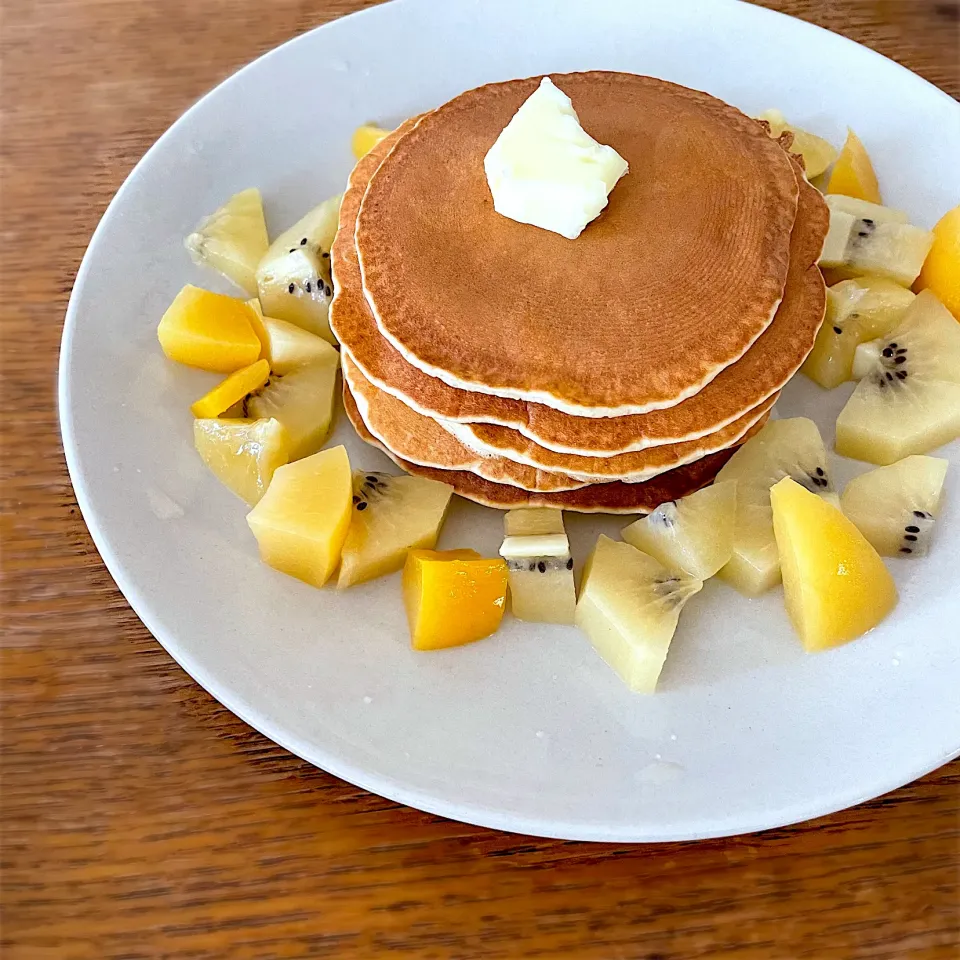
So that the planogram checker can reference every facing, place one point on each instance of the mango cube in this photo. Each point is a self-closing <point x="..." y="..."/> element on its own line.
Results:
<point x="835" y="584"/>
<point x="853" y="174"/>
<point x="941" y="269"/>
<point x="365" y="138"/>
<point x="232" y="390"/>
<point x="208" y="330"/>
<point x="452" y="597"/>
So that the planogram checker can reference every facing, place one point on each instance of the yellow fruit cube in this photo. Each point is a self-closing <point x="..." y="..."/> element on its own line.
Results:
<point x="365" y="138"/>
<point x="230" y="391"/>
<point x="208" y="330"/>
<point x="853" y="173"/>
<point x="242" y="454"/>
<point x="256" y="321"/>
<point x="835" y="584"/>
<point x="302" y="520"/>
<point x="232" y="239"/>
<point x="452" y="597"/>
<point x="941" y="269"/>
<point x="817" y="153"/>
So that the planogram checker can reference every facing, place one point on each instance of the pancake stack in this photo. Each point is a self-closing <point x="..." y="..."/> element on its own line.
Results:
<point x="605" y="374"/>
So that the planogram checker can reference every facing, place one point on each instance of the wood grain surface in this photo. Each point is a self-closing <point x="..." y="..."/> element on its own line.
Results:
<point x="142" y="820"/>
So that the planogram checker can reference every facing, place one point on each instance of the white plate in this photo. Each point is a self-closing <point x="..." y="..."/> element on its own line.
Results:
<point x="527" y="731"/>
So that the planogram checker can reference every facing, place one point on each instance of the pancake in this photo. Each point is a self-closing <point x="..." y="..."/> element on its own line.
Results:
<point x="767" y="366"/>
<point x="423" y="441"/>
<point x="613" y="497"/>
<point x="674" y="281"/>
<point x="433" y="443"/>
<point x="490" y="440"/>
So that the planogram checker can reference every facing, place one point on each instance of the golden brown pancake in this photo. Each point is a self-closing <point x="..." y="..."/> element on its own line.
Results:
<point x="433" y="443"/>
<point x="766" y="367"/>
<point x="615" y="497"/>
<point x="674" y="281"/>
<point x="490" y="440"/>
<point x="423" y="441"/>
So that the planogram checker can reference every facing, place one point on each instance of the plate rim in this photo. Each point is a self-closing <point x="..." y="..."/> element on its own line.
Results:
<point x="474" y="814"/>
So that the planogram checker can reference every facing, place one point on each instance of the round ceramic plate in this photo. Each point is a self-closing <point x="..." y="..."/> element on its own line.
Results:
<point x="526" y="731"/>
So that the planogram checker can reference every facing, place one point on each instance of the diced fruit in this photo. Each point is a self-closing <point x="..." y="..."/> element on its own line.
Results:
<point x="293" y="277"/>
<point x="391" y="516"/>
<point x="209" y="331"/>
<point x="629" y="607"/>
<point x="895" y="507"/>
<point x="256" y="321"/>
<point x="532" y="522"/>
<point x="297" y="287"/>
<point x="835" y="584"/>
<point x="286" y="345"/>
<point x="301" y="521"/>
<point x="365" y="138"/>
<point x="302" y="401"/>
<point x="857" y="310"/>
<point x="941" y="269"/>
<point x="817" y="153"/>
<point x="878" y="244"/>
<point x="233" y="240"/>
<point x="908" y="397"/>
<point x="230" y="391"/>
<point x="452" y="597"/>
<point x="866" y="358"/>
<point x="864" y="210"/>
<point x="539" y="566"/>
<point x="694" y="534"/>
<point x="853" y="172"/>
<point x="243" y="454"/>
<point x="783" y="448"/>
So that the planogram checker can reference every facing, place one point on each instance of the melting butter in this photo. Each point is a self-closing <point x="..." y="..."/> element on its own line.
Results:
<point x="546" y="170"/>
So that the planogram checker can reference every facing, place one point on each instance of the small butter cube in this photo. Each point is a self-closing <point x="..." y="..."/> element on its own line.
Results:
<point x="546" y="170"/>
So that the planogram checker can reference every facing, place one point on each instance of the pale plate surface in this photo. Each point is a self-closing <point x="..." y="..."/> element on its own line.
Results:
<point x="528" y="731"/>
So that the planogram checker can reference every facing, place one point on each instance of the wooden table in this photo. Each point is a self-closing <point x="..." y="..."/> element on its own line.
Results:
<point x="142" y="820"/>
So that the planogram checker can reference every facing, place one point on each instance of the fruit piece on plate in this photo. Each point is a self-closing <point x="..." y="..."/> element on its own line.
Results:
<point x="895" y="507"/>
<point x="629" y="607"/>
<point x="908" y="397"/>
<point x="243" y="454"/>
<point x="391" y="516"/>
<point x="817" y="153"/>
<point x="835" y="584"/>
<point x="233" y="240"/>
<point x="539" y="566"/>
<point x="208" y="330"/>
<point x="694" y="534"/>
<point x="302" y="400"/>
<point x="853" y="173"/>
<point x="532" y="522"/>
<point x="230" y="391"/>
<point x="941" y="269"/>
<point x="864" y="239"/>
<point x="365" y="138"/>
<point x="301" y="521"/>
<point x="864" y="210"/>
<point x="286" y="345"/>
<point x="783" y="448"/>
<point x="857" y="310"/>
<point x="452" y="597"/>
<point x="293" y="277"/>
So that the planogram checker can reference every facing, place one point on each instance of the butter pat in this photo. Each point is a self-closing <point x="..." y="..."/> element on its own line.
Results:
<point x="546" y="170"/>
<point x="539" y="568"/>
